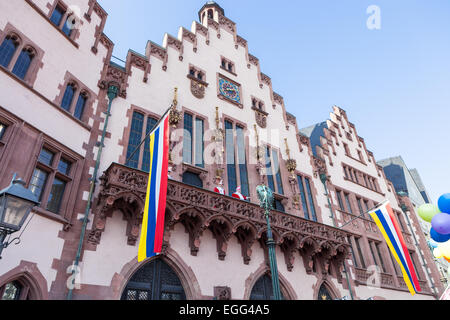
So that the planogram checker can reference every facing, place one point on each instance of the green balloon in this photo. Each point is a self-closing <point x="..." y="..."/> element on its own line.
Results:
<point x="428" y="211"/>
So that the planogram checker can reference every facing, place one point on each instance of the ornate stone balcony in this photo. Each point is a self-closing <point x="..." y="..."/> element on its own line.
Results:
<point x="124" y="189"/>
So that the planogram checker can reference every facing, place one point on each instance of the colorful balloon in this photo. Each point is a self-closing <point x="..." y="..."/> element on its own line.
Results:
<point x="441" y="223"/>
<point x="444" y="203"/>
<point x="428" y="211"/>
<point x="439" y="237"/>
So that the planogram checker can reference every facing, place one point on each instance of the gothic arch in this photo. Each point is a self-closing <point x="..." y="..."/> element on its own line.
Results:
<point x="29" y="276"/>
<point x="182" y="270"/>
<point x="331" y="288"/>
<point x="286" y="289"/>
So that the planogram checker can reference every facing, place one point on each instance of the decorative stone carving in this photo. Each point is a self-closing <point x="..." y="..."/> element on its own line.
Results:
<point x="222" y="293"/>
<point x="123" y="188"/>
<point x="261" y="117"/>
<point x="198" y="88"/>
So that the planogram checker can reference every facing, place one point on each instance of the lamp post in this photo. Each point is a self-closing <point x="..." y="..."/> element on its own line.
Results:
<point x="265" y="196"/>
<point x="16" y="202"/>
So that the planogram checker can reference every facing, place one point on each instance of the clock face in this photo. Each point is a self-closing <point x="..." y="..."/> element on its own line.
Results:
<point x="229" y="90"/>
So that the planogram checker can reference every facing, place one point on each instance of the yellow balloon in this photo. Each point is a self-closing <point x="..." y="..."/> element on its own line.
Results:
<point x="437" y="253"/>
<point x="445" y="249"/>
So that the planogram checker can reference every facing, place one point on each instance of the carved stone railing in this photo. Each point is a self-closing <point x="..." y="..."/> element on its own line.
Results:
<point x="197" y="209"/>
<point x="386" y="280"/>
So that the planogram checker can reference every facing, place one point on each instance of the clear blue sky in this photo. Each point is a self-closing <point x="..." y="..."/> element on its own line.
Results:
<point x="394" y="83"/>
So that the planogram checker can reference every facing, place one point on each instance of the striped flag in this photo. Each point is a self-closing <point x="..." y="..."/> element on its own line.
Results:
<point x="387" y="223"/>
<point x="152" y="230"/>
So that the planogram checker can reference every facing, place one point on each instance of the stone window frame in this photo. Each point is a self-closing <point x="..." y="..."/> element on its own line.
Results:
<point x="24" y="44"/>
<point x="81" y="88"/>
<point x="195" y="116"/>
<point x="368" y="182"/>
<point x="72" y="180"/>
<point x="194" y="72"/>
<point x="258" y="104"/>
<point x="313" y="196"/>
<point x="228" y="65"/>
<point x="7" y="133"/>
<point x="127" y="130"/>
<point x="74" y="35"/>
<point x="235" y="123"/>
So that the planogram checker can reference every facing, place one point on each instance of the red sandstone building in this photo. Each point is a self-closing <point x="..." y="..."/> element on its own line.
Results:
<point x="228" y="124"/>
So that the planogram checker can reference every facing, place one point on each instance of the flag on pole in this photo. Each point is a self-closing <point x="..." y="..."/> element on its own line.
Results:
<point x="152" y="230"/>
<point x="387" y="223"/>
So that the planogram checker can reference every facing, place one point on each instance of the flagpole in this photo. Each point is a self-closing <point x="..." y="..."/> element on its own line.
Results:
<point x="362" y="214"/>
<point x="153" y="130"/>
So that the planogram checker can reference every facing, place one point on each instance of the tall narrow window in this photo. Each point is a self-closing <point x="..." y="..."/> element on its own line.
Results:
<point x="395" y="264"/>
<point x="242" y="160"/>
<point x="353" y="252"/>
<point x="67" y="26"/>
<point x="303" y="196"/>
<point x="310" y="198"/>
<point x="347" y="201"/>
<point x="187" y="138"/>
<point x="137" y="124"/>
<point x="380" y="256"/>
<point x="269" y="173"/>
<point x="23" y="63"/>
<point x="199" y="143"/>
<point x="151" y="122"/>
<point x="81" y="103"/>
<point x="57" y="15"/>
<point x="235" y="153"/>
<point x="339" y="198"/>
<point x="400" y="221"/>
<point x="56" y="195"/>
<point x="361" y="256"/>
<point x="361" y="211"/>
<point x="7" y="50"/>
<point x="66" y="102"/>
<point x="277" y="169"/>
<point x="38" y="181"/>
<point x="230" y="156"/>
<point x="413" y="259"/>
<point x="2" y="130"/>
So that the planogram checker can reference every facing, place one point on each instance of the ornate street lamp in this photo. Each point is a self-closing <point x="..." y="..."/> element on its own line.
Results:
<point x="265" y="196"/>
<point x="16" y="202"/>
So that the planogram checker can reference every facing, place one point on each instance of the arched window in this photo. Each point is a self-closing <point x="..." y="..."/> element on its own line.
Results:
<point x="263" y="290"/>
<point x="12" y="291"/>
<point x="68" y="96"/>
<point x="7" y="49"/>
<point x="210" y="14"/>
<point x="81" y="103"/>
<point x="324" y="294"/>
<point x="23" y="63"/>
<point x="154" y="281"/>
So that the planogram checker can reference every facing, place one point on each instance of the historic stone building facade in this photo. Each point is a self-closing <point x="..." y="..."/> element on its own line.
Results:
<point x="61" y="95"/>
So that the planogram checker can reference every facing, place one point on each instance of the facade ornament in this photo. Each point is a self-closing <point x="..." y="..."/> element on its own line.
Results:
<point x="198" y="88"/>
<point x="259" y="154"/>
<point x="175" y="115"/>
<point x="219" y="147"/>
<point x="261" y="117"/>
